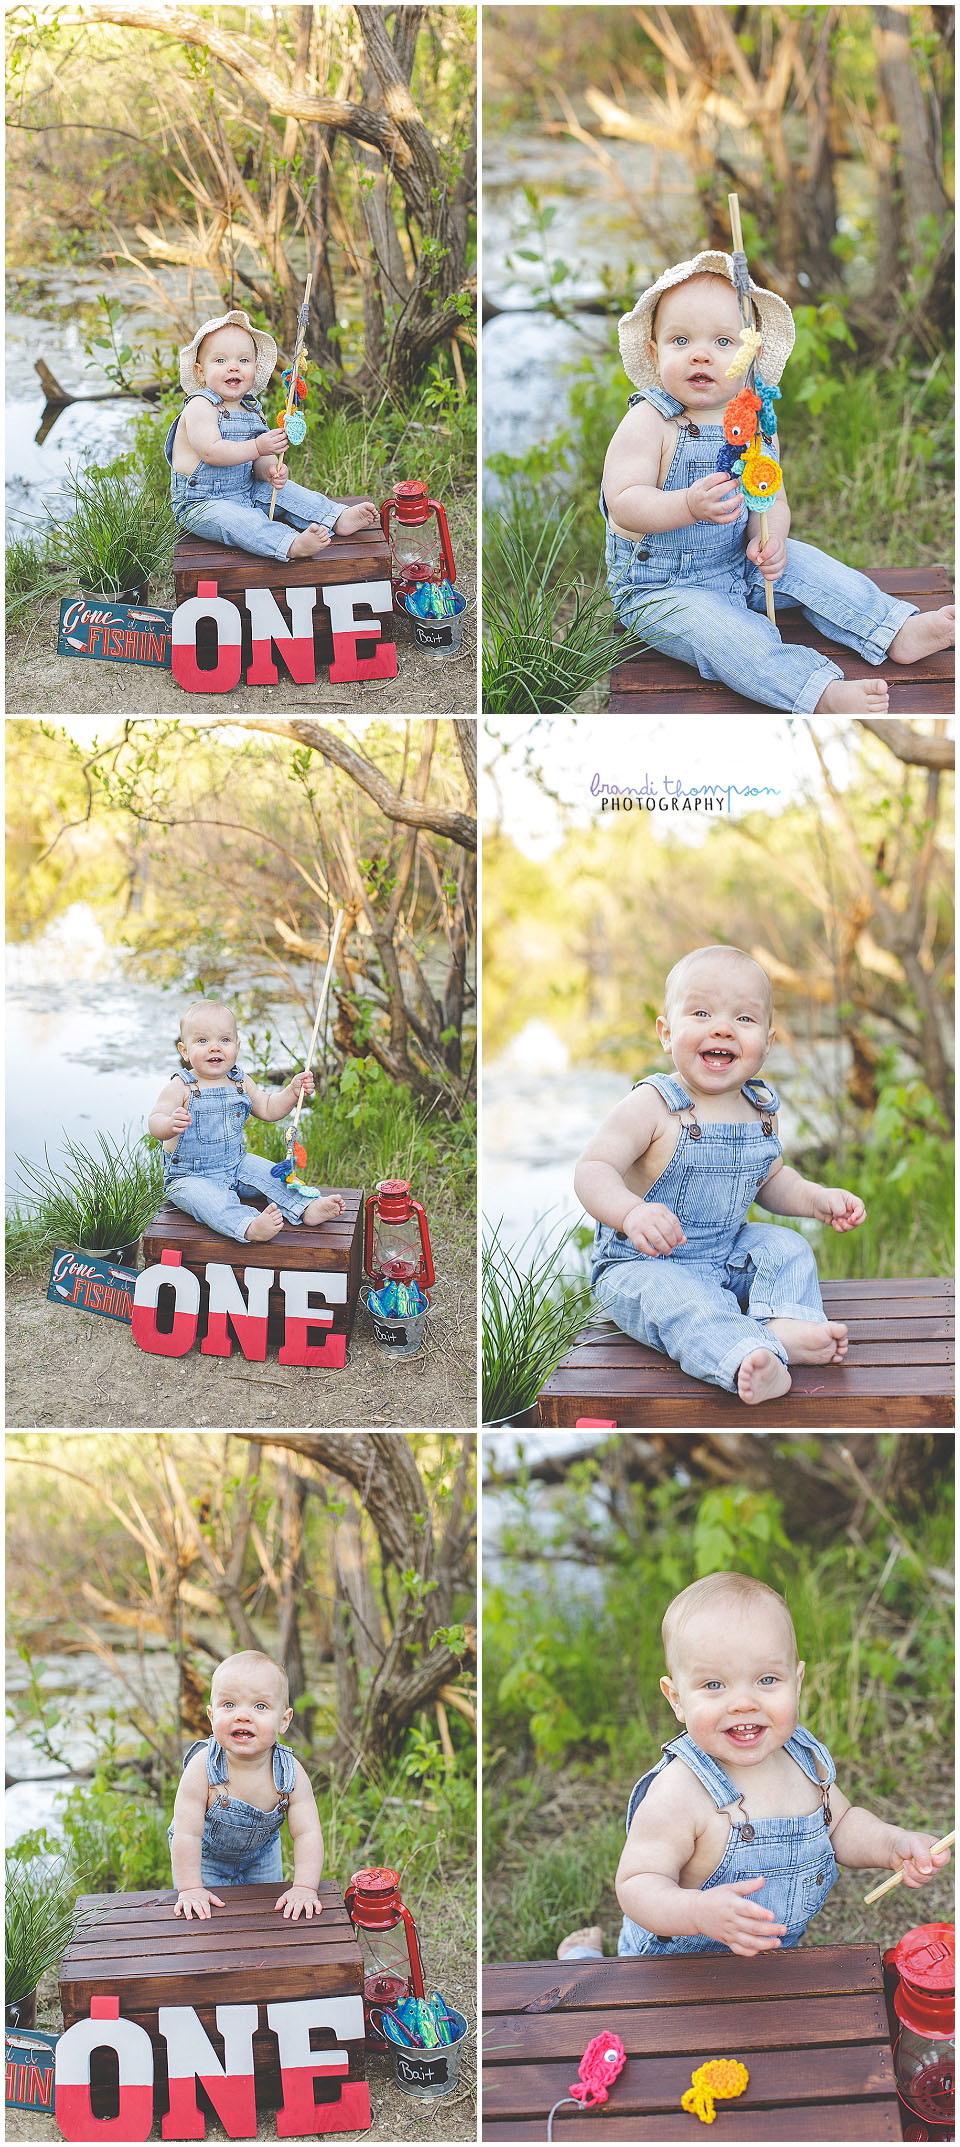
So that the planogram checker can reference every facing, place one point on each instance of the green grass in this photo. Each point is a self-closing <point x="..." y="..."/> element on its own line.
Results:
<point x="367" y="1127"/>
<point x="531" y="1314"/>
<point x="101" y="1201"/>
<point x="39" y="1915"/>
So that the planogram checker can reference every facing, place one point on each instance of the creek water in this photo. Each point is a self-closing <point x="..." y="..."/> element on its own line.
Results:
<point x="84" y="1691"/>
<point x="620" y="215"/>
<point x="89" y="1038"/>
<point x="50" y="310"/>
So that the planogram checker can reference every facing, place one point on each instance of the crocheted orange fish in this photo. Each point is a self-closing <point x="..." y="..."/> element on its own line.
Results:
<point x="719" y="2077"/>
<point x="740" y="417"/>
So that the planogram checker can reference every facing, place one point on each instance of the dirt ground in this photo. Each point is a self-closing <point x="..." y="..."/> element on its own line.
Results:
<point x="41" y="683"/>
<point x="77" y="1370"/>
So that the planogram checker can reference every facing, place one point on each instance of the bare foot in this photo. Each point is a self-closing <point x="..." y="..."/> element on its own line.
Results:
<point x="846" y="696"/>
<point x="308" y="542"/>
<point x="265" y="1225"/>
<point x="592" y="1936"/>
<point x="922" y="634"/>
<point x="320" y="1211"/>
<point x="762" y="1377"/>
<point x="811" y="1341"/>
<point x="363" y="515"/>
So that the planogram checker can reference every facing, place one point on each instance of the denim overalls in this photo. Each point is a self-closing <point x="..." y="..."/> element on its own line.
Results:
<point x="224" y="501"/>
<point x="209" y="1168"/>
<point x="241" y="1844"/>
<point x="714" y="606"/>
<point x="795" y="1856"/>
<point x="704" y="1303"/>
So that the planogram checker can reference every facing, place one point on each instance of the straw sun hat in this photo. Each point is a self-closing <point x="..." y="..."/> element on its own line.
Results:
<point x="636" y="328"/>
<point x="264" y="345"/>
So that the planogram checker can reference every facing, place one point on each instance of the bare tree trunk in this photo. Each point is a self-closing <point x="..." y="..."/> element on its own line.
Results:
<point x="292" y="1495"/>
<point x="923" y="193"/>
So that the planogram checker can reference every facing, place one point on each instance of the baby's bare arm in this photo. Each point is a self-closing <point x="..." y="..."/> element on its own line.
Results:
<point x="189" y="1811"/>
<point x="171" y="1099"/>
<point x="630" y="474"/>
<point x="786" y="1192"/>
<point x="305" y="1833"/>
<point x="271" y="1103"/>
<point x="203" y="433"/>
<point x="863" y="1842"/>
<point x="599" y="1179"/>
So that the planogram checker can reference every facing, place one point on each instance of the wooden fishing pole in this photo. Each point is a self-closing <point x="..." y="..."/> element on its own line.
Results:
<point x="301" y="337"/>
<point x="284" y="1169"/>
<point x="896" y="1878"/>
<point x="741" y="284"/>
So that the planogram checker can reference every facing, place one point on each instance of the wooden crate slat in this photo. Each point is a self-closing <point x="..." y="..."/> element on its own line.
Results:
<point x="830" y="2121"/>
<point x="654" y="2031"/>
<point x="899" y="1370"/>
<point x="545" y="1986"/>
<point x="657" y="2083"/>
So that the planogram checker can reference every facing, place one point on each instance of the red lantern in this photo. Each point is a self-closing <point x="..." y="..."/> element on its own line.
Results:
<point x="420" y="550"/>
<point x="392" y="1969"/>
<point x="396" y="1241"/>
<point x="923" y="2053"/>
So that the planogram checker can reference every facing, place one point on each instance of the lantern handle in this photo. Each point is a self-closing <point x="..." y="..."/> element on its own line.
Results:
<point x="429" y="1276"/>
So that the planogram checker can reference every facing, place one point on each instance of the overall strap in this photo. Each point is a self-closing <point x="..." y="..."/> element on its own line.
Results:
<point x="667" y="405"/>
<point x="284" y="1772"/>
<point x="216" y="1763"/>
<point x="673" y="1092"/>
<point x="816" y="1763"/>
<point x="761" y="1095"/>
<point x="190" y="1082"/>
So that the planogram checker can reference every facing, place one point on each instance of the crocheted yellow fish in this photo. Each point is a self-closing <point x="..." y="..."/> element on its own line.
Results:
<point x="750" y="341"/>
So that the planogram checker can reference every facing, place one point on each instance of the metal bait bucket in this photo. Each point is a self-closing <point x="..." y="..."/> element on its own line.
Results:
<point x="425" y="2075"/>
<point x="440" y="635"/>
<point x="401" y="1334"/>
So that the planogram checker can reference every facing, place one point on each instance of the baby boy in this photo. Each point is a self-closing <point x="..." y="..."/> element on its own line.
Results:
<point x="670" y="1175"/>
<point x="236" y="1790"/>
<point x="736" y="1847"/>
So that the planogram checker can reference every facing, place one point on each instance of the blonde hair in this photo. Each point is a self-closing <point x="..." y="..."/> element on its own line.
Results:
<point x="738" y="1589"/>
<point x="678" y="975"/>
<point x="252" y="1659"/>
<point x="215" y="1005"/>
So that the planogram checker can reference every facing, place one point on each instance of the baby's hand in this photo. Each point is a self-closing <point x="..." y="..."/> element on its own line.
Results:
<point x="179" y="1119"/>
<point x="771" y="558"/>
<point x="912" y="1855"/>
<point x="711" y="499"/>
<point x="303" y="1083"/>
<point x="652" y="1228"/>
<point x="742" y="1925"/>
<point x="276" y="475"/>
<point x="270" y="443"/>
<point x="297" y="1898"/>
<point x="843" y="1211"/>
<point x="196" y="1901"/>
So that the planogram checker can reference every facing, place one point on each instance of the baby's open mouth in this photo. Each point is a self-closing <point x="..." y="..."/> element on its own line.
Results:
<point x="746" y="1732"/>
<point x="716" y="1056"/>
<point x="701" y="380"/>
<point x="241" y="1734"/>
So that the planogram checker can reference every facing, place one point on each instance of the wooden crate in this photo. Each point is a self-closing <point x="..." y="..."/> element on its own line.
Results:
<point x="651" y="683"/>
<point x="363" y="557"/>
<point x="324" y="1248"/>
<point x="898" y="1372"/>
<point x="809" y="2024"/>
<point x="135" y="1949"/>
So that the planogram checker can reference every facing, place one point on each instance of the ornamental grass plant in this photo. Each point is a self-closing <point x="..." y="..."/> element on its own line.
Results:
<point x="531" y="1314"/>
<point x="120" y="536"/>
<point x="98" y="1201"/>
<point x="40" y="1917"/>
